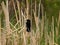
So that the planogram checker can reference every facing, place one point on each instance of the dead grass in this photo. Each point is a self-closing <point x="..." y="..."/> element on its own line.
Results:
<point x="19" y="34"/>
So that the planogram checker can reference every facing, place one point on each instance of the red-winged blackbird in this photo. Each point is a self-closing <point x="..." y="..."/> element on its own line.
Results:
<point x="28" y="25"/>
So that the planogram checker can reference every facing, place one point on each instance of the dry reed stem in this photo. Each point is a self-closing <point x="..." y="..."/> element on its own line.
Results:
<point x="0" y="10"/>
<point x="42" y="21"/>
<point x="42" y="9"/>
<point x="57" y="28"/>
<point x="31" y="15"/>
<point x="15" y="10"/>
<point x="15" y="39"/>
<point x="58" y="21"/>
<point x="52" y="28"/>
<point x="27" y="11"/>
<point x="45" y="37"/>
<point x="42" y="26"/>
<point x="36" y="21"/>
<point x="37" y="26"/>
<point x="24" y="38"/>
<point x="3" y="39"/>
<point x="48" y="39"/>
<point x="5" y="9"/>
<point x="39" y="11"/>
<point x="22" y="18"/>
<point x="52" y="40"/>
<point x="59" y="17"/>
<point x="46" y="28"/>
<point x="51" y="36"/>
<point x="18" y="5"/>
<point x="33" y="40"/>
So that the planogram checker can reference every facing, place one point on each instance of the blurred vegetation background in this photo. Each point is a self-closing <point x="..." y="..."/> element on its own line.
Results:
<point x="44" y="16"/>
<point x="51" y="7"/>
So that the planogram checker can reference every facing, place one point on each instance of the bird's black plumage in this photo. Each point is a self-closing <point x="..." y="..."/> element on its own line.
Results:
<point x="28" y="25"/>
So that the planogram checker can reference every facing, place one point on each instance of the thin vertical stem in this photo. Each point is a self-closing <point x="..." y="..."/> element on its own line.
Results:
<point x="24" y="38"/>
<point x="15" y="10"/>
<point x="31" y="14"/>
<point x="46" y="28"/>
<point x="27" y="11"/>
<point x="18" y="5"/>
<point x="52" y="28"/>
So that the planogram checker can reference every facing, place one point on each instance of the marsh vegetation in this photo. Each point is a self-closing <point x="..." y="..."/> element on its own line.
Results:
<point x="45" y="22"/>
